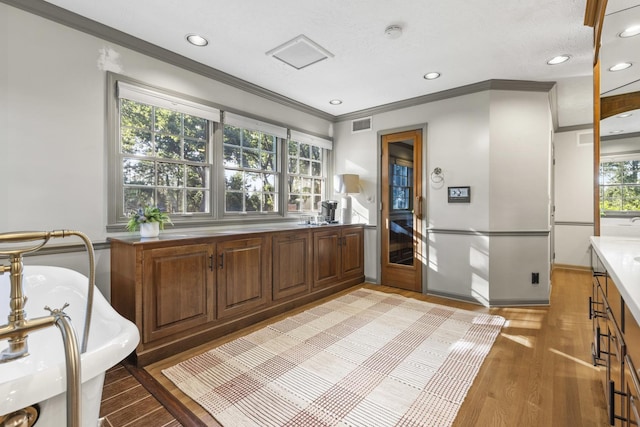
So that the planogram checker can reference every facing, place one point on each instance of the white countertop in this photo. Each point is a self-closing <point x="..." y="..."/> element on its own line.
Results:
<point x="621" y="257"/>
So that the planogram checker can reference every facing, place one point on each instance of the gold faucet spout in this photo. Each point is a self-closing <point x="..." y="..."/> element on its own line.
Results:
<point x="17" y="332"/>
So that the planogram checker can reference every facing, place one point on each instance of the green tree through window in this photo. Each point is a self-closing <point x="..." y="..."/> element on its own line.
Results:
<point x="250" y="170"/>
<point x="164" y="159"/>
<point x="620" y="186"/>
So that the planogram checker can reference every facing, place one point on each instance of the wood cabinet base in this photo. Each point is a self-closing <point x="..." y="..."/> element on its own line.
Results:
<point x="182" y="292"/>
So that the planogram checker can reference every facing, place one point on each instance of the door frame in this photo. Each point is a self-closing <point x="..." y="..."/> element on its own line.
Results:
<point x="425" y="193"/>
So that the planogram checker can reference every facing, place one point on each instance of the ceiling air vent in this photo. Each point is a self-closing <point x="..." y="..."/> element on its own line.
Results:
<point x="361" y="125"/>
<point x="585" y="138"/>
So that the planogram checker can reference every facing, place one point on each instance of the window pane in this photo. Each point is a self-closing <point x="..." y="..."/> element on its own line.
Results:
<point x="135" y="198"/>
<point x="316" y="153"/>
<point x="195" y="127"/>
<point x="293" y="165"/>
<point x="195" y="150"/>
<point x="316" y="168"/>
<point x="610" y="173"/>
<point x="269" y="202"/>
<point x="631" y="198"/>
<point x="168" y="147"/>
<point x="233" y="180"/>
<point x="631" y="170"/>
<point x="250" y="159"/>
<point x="136" y="142"/>
<point x="305" y="167"/>
<point x="293" y="204"/>
<point x="233" y="202"/>
<point x="232" y="156"/>
<point x="611" y="198"/>
<point x="268" y="161"/>
<point x="134" y="114"/>
<point x="170" y="174"/>
<point x="168" y="121"/>
<point x="253" y="181"/>
<point x="293" y="148"/>
<point x="197" y="176"/>
<point x="305" y="151"/>
<point x="269" y="143"/>
<point x="170" y="200"/>
<point x="139" y="172"/>
<point x="197" y="201"/>
<point x="251" y="139"/>
<point x="231" y="135"/>
<point x="253" y="202"/>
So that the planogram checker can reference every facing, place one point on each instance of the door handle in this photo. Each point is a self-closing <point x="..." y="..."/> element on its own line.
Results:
<point x="221" y="265"/>
<point x="418" y="209"/>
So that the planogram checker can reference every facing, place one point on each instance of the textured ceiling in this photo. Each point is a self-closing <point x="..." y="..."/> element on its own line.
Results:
<point x="467" y="41"/>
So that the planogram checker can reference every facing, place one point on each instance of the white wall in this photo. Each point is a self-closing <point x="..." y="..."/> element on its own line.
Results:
<point x="573" y="199"/>
<point x="497" y="142"/>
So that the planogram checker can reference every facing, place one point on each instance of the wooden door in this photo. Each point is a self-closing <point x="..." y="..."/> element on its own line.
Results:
<point x="178" y="290"/>
<point x="326" y="257"/>
<point x="402" y="210"/>
<point x="242" y="276"/>
<point x="351" y="245"/>
<point x="291" y="264"/>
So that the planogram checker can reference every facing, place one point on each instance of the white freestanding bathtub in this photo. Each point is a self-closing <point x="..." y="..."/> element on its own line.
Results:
<point x="40" y="378"/>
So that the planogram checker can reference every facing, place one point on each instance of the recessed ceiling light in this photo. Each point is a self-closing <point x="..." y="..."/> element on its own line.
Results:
<point x="558" y="59"/>
<point x="335" y="102"/>
<point x="630" y="32"/>
<point x="432" y="75"/>
<point x="624" y="115"/>
<point x="621" y="66"/>
<point x="196" y="40"/>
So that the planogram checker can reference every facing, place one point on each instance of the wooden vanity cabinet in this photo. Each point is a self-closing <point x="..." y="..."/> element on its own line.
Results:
<point x="616" y="339"/>
<point x="338" y="255"/>
<point x="184" y="291"/>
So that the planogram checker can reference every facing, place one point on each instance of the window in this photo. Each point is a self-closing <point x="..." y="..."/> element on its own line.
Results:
<point x="200" y="166"/>
<point x="620" y="186"/>
<point x="250" y="172"/>
<point x="306" y="178"/>
<point x="401" y="185"/>
<point x="163" y="154"/>
<point x="164" y="159"/>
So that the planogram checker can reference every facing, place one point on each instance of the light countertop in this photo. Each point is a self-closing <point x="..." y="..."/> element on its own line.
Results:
<point x="621" y="258"/>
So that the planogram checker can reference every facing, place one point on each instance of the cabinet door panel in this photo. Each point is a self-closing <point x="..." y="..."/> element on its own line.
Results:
<point x="241" y="279"/>
<point x="178" y="290"/>
<point x="326" y="255"/>
<point x="352" y="252"/>
<point x="291" y="264"/>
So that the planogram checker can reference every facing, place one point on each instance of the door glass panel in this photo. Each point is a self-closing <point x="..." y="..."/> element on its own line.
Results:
<point x="401" y="205"/>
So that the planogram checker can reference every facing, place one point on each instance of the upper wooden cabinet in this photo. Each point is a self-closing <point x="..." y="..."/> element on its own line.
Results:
<point x="184" y="291"/>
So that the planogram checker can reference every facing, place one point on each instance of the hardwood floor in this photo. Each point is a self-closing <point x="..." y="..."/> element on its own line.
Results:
<point x="538" y="373"/>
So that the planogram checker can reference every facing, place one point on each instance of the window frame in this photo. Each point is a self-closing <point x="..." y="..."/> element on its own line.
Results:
<point x="116" y="218"/>
<point x="602" y="188"/>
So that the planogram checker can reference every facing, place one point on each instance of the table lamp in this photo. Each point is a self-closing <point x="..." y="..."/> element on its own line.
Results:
<point x="345" y="184"/>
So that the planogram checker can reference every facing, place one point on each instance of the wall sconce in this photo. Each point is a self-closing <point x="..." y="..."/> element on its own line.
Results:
<point x="345" y="184"/>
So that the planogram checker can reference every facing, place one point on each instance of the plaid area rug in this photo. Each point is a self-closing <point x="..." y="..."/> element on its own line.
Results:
<point x="367" y="358"/>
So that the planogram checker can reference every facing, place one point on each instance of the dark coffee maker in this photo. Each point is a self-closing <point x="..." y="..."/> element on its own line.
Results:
<point x="329" y="211"/>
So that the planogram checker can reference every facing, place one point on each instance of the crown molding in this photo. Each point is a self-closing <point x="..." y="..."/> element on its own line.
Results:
<point x="512" y="85"/>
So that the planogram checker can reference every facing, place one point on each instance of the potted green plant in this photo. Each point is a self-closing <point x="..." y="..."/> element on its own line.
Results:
<point x="149" y="219"/>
